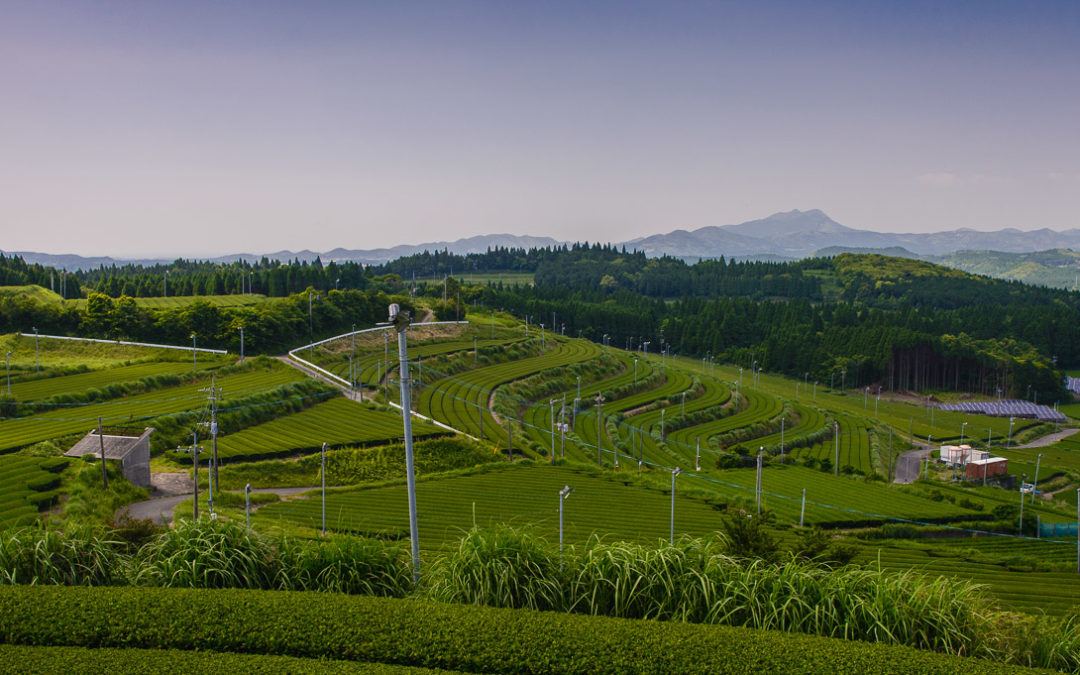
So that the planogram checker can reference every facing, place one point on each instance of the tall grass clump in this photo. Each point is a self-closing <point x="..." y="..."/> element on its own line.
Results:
<point x="501" y="567"/>
<point x="344" y="565"/>
<point x="633" y="581"/>
<point x="206" y="554"/>
<point x="36" y="555"/>
<point x="697" y="581"/>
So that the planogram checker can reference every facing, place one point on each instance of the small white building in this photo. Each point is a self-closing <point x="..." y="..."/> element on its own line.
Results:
<point x="961" y="455"/>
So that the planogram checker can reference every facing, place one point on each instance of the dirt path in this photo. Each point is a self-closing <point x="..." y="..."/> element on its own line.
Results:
<point x="1049" y="439"/>
<point x="160" y="509"/>
<point x="316" y="375"/>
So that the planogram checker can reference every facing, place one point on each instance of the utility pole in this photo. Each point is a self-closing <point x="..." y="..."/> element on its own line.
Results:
<point x="212" y="470"/>
<point x="195" y="462"/>
<point x="509" y="442"/>
<point x="697" y="455"/>
<point x="1008" y="442"/>
<point x="802" y="510"/>
<point x="241" y="343"/>
<point x="400" y="321"/>
<point x="194" y="353"/>
<point x="101" y="440"/>
<point x="674" y="474"/>
<point x="662" y="411"/>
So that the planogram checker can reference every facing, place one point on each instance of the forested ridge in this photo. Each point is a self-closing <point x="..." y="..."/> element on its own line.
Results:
<point x="854" y="319"/>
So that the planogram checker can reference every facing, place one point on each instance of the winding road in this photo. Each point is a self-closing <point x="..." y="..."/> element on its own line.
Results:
<point x="160" y="509"/>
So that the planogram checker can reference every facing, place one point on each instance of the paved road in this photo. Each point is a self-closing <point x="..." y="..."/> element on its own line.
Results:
<point x="1049" y="439"/>
<point x="160" y="509"/>
<point x="909" y="463"/>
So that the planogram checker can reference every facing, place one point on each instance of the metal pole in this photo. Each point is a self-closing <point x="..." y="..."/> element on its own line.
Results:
<point x="563" y="494"/>
<point x="241" y="343"/>
<point x="757" y="485"/>
<point x="599" y="437"/>
<point x="562" y="427"/>
<point x="322" y="474"/>
<point x="101" y="440"/>
<point x="662" y="410"/>
<point x="1022" y="481"/>
<point x="247" y="505"/>
<point x="195" y="461"/>
<point x="697" y="456"/>
<point x="782" y="421"/>
<point x="836" y="433"/>
<point x="1035" y="485"/>
<point x="674" y="473"/>
<point x="400" y="321"/>
<point x="802" y="511"/>
<point x="551" y="408"/>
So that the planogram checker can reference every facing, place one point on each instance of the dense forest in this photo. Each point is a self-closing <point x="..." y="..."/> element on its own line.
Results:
<point x="860" y="320"/>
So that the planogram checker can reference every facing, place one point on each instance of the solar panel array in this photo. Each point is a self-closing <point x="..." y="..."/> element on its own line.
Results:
<point x="1008" y="408"/>
<point x="1073" y="384"/>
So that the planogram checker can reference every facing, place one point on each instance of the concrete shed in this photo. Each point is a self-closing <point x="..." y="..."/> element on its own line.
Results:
<point x="133" y="453"/>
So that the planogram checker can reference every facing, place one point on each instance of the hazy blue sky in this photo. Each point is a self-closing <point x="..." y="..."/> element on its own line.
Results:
<point x="131" y="128"/>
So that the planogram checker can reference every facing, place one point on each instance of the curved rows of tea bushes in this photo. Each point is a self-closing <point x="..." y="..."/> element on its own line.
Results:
<point x="432" y="634"/>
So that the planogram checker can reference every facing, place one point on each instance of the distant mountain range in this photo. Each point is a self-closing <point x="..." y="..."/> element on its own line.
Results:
<point x="799" y="234"/>
<point x="787" y="235"/>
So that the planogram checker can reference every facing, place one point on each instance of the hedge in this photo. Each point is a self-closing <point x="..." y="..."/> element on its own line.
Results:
<point x="18" y="659"/>
<point x="429" y="634"/>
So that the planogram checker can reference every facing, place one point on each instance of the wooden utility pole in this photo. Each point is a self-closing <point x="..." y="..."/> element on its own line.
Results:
<point x="104" y="471"/>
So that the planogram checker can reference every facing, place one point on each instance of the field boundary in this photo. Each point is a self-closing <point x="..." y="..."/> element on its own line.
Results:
<point x="126" y="343"/>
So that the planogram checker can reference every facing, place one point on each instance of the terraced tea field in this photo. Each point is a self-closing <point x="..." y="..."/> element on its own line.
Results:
<point x="178" y="301"/>
<point x="26" y="485"/>
<point x="22" y="431"/>
<point x="71" y="354"/>
<point x="1037" y="592"/>
<point x="462" y="400"/>
<point x="34" y="390"/>
<point x="337" y="422"/>
<point x="515" y="494"/>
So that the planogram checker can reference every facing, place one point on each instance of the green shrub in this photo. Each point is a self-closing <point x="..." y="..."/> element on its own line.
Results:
<point x="15" y="658"/>
<point x="432" y="634"/>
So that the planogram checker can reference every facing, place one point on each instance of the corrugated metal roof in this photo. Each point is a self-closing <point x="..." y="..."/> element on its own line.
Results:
<point x="116" y="447"/>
